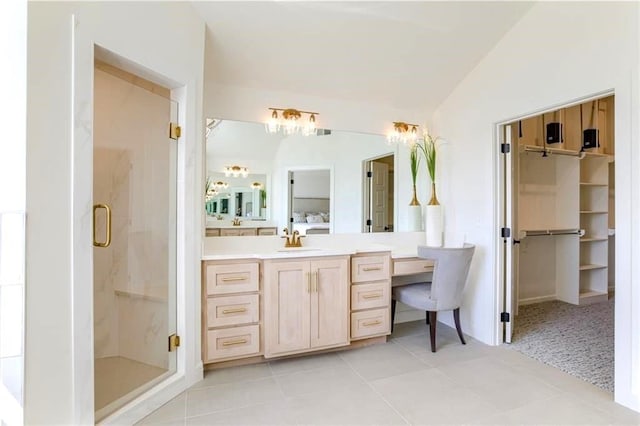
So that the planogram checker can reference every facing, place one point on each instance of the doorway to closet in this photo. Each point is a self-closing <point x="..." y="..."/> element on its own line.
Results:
<point x="558" y="230"/>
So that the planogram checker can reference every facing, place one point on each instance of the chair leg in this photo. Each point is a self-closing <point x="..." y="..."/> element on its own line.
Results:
<point x="393" y="313"/>
<point x="432" y="329"/>
<point x="456" y="319"/>
<point x="427" y="317"/>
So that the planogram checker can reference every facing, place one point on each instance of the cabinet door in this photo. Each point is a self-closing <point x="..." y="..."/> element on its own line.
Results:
<point x="329" y="302"/>
<point x="286" y="307"/>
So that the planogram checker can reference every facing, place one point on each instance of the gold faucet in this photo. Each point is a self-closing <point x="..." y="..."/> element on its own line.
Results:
<point x="236" y="221"/>
<point x="292" y="240"/>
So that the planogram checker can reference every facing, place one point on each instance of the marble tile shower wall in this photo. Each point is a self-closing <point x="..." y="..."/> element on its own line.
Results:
<point x="131" y="276"/>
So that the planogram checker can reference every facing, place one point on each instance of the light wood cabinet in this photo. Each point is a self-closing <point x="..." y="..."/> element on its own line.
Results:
<point x="370" y="295"/>
<point x="306" y="304"/>
<point x="240" y="231"/>
<point x="230" y="310"/>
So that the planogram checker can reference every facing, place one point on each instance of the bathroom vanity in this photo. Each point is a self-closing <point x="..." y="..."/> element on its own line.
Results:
<point x="262" y="301"/>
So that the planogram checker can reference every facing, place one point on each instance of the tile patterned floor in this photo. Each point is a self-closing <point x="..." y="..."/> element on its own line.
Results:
<point x="396" y="383"/>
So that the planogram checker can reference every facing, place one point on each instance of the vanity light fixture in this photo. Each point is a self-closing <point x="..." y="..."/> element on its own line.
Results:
<point x="220" y="185"/>
<point x="236" y="171"/>
<point x="289" y="122"/>
<point x="256" y="185"/>
<point x="402" y="132"/>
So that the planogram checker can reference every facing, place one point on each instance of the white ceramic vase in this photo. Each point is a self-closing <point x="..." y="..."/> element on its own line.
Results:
<point x="434" y="225"/>
<point x="415" y="218"/>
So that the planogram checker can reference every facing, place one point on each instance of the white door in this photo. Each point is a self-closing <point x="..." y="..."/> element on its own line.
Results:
<point x="379" y="196"/>
<point x="509" y="241"/>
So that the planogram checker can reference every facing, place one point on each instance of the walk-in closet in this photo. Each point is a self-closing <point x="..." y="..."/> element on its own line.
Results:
<point x="560" y="205"/>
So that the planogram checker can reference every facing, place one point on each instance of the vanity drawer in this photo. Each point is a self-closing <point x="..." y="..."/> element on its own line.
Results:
<point x="371" y="295"/>
<point x="237" y="232"/>
<point x="370" y="268"/>
<point x="232" y="310"/>
<point x="231" y="278"/>
<point x="213" y="232"/>
<point x="233" y="342"/>
<point x="412" y="266"/>
<point x="370" y="323"/>
<point x="267" y="231"/>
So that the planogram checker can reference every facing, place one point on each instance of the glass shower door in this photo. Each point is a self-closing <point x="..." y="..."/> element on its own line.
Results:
<point x="134" y="254"/>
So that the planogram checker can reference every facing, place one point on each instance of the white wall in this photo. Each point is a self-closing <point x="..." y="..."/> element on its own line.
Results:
<point x="13" y="38"/>
<point x="167" y="40"/>
<point x="558" y="52"/>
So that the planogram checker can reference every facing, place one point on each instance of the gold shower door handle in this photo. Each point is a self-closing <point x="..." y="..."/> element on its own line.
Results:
<point x="107" y="240"/>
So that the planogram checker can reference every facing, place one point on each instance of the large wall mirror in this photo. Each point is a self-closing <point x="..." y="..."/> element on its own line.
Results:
<point x="330" y="193"/>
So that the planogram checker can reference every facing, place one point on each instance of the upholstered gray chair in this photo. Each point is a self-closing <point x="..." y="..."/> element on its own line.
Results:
<point x="444" y="292"/>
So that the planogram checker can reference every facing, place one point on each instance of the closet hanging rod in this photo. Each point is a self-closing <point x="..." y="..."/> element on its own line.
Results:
<point x="531" y="148"/>
<point x="546" y="232"/>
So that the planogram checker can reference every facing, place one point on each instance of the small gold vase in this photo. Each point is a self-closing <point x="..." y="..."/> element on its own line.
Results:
<point x="414" y="201"/>
<point x="434" y="200"/>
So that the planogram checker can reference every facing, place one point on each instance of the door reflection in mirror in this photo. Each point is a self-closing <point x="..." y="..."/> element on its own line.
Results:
<point x="378" y="194"/>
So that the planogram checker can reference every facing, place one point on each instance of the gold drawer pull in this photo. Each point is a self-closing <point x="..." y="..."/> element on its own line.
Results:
<point x="375" y="268"/>
<point x="235" y="342"/>
<point x="227" y="279"/>
<point x="371" y="296"/>
<point x="427" y="266"/>
<point x="234" y="310"/>
<point x="371" y="323"/>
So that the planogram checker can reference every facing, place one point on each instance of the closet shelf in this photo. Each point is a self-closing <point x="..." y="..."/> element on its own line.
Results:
<point x="590" y="266"/>
<point x="604" y="185"/>
<point x="593" y="212"/>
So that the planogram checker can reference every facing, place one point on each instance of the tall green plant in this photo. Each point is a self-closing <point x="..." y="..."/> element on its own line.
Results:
<point x="428" y="148"/>
<point x="414" y="160"/>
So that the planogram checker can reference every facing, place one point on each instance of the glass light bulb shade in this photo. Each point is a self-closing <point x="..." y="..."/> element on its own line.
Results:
<point x="309" y="129"/>
<point x="272" y="125"/>
<point x="290" y="126"/>
<point x="394" y="136"/>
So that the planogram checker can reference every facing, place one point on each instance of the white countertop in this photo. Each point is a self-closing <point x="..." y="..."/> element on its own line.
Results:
<point x="400" y="244"/>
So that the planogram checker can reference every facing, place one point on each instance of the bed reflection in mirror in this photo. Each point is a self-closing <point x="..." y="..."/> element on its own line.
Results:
<point x="310" y="201"/>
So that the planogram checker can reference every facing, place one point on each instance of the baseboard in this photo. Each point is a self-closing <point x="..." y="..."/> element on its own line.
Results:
<point x="539" y="299"/>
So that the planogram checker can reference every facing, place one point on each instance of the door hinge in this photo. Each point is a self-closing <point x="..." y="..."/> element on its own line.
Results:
<point x="504" y="317"/>
<point x="174" y="131"/>
<point x="368" y="222"/>
<point x="505" y="232"/>
<point x="290" y="220"/>
<point x="291" y="181"/>
<point x="505" y="148"/>
<point x="174" y="342"/>
<point x="369" y="174"/>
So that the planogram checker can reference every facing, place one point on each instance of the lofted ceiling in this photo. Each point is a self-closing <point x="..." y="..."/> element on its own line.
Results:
<point x="405" y="55"/>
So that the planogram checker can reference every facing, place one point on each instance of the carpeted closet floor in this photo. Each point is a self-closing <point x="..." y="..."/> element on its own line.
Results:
<point x="575" y="339"/>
